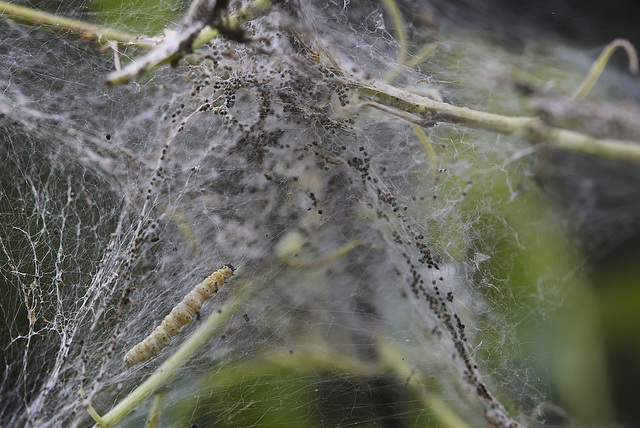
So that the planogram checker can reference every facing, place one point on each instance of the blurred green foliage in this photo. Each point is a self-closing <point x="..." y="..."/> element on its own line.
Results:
<point x="144" y="17"/>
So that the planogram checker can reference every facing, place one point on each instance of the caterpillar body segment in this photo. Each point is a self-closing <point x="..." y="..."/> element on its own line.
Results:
<point x="181" y="315"/>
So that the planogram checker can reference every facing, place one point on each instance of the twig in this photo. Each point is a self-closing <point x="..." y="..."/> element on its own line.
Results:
<point x="394" y="111"/>
<point x="58" y="23"/>
<point x="191" y="36"/>
<point x="404" y="103"/>
<point x="531" y="128"/>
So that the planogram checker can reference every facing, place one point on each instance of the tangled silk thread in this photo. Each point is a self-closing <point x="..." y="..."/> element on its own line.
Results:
<point x="181" y="315"/>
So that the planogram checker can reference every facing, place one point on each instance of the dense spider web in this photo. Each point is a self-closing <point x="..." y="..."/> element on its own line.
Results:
<point x="393" y="289"/>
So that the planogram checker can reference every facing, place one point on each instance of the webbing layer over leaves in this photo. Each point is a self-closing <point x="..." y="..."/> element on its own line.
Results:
<point x="387" y="274"/>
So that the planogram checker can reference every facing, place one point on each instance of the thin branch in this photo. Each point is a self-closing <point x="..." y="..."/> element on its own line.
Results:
<point x="165" y="50"/>
<point x="401" y="114"/>
<point x="531" y="128"/>
<point x="59" y="23"/>
<point x="404" y="103"/>
<point x="170" y="368"/>
<point x="193" y="34"/>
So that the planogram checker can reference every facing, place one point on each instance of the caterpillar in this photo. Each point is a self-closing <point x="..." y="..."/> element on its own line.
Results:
<point x="181" y="315"/>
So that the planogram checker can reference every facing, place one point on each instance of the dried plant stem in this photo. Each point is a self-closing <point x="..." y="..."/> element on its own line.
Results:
<point x="531" y="128"/>
<point x="59" y="23"/>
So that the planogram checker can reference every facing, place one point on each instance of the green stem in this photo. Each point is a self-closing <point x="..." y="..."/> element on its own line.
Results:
<point x="424" y="53"/>
<point x="433" y="157"/>
<point x="156" y="409"/>
<point x="170" y="368"/>
<point x="601" y="62"/>
<point x="532" y="128"/>
<point x="326" y="260"/>
<point x="391" y="356"/>
<point x="401" y="34"/>
<point x="58" y="23"/>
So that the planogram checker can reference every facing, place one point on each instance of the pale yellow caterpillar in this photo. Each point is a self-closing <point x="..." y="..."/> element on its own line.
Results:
<point x="180" y="316"/>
